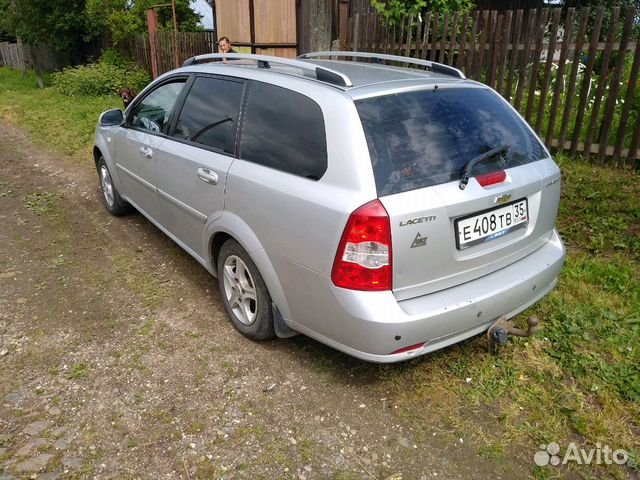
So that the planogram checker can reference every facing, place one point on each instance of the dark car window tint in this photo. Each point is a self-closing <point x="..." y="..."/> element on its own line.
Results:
<point x="210" y="113"/>
<point x="284" y="130"/>
<point x="152" y="113"/>
<point x="418" y="139"/>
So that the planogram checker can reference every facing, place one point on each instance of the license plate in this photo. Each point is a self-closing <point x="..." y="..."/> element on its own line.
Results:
<point x="491" y="224"/>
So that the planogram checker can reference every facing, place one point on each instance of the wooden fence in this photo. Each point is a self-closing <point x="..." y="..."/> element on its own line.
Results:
<point x="573" y="74"/>
<point x="9" y="55"/>
<point x="138" y="48"/>
<point x="46" y="57"/>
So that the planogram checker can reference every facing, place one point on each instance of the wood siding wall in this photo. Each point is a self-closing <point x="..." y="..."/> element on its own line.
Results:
<point x="263" y="26"/>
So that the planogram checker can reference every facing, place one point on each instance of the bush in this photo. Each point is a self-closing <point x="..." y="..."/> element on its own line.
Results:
<point x="111" y="56"/>
<point x="102" y="78"/>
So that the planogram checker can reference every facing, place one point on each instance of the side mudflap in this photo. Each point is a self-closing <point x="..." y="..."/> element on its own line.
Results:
<point x="281" y="328"/>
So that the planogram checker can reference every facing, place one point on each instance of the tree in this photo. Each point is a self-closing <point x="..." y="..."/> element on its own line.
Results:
<point x="121" y="18"/>
<point x="59" y="23"/>
<point x="393" y="10"/>
<point x="608" y="6"/>
<point x="601" y="3"/>
<point x="5" y="34"/>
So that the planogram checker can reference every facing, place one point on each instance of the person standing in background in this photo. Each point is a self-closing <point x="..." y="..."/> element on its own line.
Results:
<point x="224" y="46"/>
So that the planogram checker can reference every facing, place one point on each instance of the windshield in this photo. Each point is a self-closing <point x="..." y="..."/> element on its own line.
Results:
<point x="424" y="138"/>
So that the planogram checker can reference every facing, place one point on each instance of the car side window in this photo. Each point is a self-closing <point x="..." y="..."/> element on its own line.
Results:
<point x="210" y="113"/>
<point x="284" y="130"/>
<point x="152" y="113"/>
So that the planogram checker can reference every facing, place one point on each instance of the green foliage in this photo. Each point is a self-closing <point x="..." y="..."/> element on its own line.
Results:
<point x="114" y="17"/>
<point x="111" y="56"/>
<point x="79" y="370"/>
<point x="393" y="10"/>
<point x="59" y="23"/>
<point x="67" y="25"/>
<point x="607" y="5"/>
<point x="122" y="18"/>
<point x="5" y="34"/>
<point x="102" y="78"/>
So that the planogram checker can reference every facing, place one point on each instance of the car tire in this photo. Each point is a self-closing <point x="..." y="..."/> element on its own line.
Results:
<point x="110" y="195"/>
<point x="244" y="293"/>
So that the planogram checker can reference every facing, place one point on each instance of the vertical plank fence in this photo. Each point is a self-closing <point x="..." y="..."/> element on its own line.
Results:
<point x="574" y="80"/>
<point x="9" y="55"/>
<point x="44" y="54"/>
<point x="138" y="48"/>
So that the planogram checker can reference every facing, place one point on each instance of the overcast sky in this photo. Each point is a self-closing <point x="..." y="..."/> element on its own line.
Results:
<point x="203" y="8"/>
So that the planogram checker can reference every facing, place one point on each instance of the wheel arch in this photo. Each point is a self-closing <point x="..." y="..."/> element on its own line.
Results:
<point x="97" y="153"/>
<point x="230" y="226"/>
<point x="104" y="150"/>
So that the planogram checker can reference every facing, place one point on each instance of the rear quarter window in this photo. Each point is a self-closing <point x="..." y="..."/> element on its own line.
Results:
<point x="284" y="130"/>
<point x="424" y="138"/>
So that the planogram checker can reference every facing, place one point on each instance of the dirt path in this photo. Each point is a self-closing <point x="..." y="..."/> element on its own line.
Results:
<point x="117" y="360"/>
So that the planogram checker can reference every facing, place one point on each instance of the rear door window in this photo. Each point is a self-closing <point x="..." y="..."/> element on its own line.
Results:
<point x="284" y="130"/>
<point x="424" y="138"/>
<point x="210" y="113"/>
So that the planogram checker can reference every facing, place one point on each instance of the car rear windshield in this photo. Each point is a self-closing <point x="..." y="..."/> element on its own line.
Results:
<point x="424" y="138"/>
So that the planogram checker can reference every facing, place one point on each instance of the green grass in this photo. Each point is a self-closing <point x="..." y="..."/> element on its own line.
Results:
<point x="577" y="380"/>
<point x="44" y="203"/>
<point x="79" y="370"/>
<point x="63" y="124"/>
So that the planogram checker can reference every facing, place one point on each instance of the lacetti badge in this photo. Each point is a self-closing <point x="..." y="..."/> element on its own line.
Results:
<point x="419" y="241"/>
<point x="502" y="198"/>
<point x="414" y="221"/>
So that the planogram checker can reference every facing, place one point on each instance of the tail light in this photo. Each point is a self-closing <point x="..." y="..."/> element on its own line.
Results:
<point x="491" y="178"/>
<point x="363" y="259"/>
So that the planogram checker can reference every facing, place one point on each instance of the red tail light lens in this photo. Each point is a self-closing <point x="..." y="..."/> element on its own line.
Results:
<point x="491" y="178"/>
<point x="363" y="259"/>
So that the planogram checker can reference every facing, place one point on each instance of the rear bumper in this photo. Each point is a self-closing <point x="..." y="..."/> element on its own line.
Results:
<point x="370" y="325"/>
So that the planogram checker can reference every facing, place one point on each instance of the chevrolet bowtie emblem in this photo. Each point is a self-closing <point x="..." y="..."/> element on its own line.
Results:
<point x="502" y="198"/>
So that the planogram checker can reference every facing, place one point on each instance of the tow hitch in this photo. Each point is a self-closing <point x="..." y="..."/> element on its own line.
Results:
<point x="500" y="330"/>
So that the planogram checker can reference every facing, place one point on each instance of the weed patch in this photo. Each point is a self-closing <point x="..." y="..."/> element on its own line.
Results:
<point x="79" y="370"/>
<point x="44" y="203"/>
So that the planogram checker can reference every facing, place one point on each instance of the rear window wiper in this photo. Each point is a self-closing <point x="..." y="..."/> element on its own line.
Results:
<point x="464" y="178"/>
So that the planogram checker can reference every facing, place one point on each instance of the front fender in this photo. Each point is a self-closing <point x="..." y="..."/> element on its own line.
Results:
<point x="105" y="143"/>
<point x="234" y="226"/>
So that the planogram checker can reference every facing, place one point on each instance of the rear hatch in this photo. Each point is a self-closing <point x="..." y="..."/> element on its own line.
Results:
<point x="442" y="235"/>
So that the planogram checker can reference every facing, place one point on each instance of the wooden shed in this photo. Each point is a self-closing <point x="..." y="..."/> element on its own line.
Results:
<point x="277" y="27"/>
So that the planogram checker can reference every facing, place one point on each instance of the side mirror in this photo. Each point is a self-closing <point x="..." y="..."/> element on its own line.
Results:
<point x="111" y="117"/>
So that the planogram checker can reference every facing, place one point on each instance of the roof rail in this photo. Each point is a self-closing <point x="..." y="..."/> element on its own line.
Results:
<point x="434" y="66"/>
<point x="264" y="61"/>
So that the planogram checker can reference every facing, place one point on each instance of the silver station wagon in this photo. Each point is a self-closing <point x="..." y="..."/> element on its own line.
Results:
<point x="386" y="211"/>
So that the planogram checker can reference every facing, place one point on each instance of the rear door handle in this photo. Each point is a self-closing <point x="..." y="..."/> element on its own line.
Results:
<point x="146" y="152"/>
<point x="208" y="176"/>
